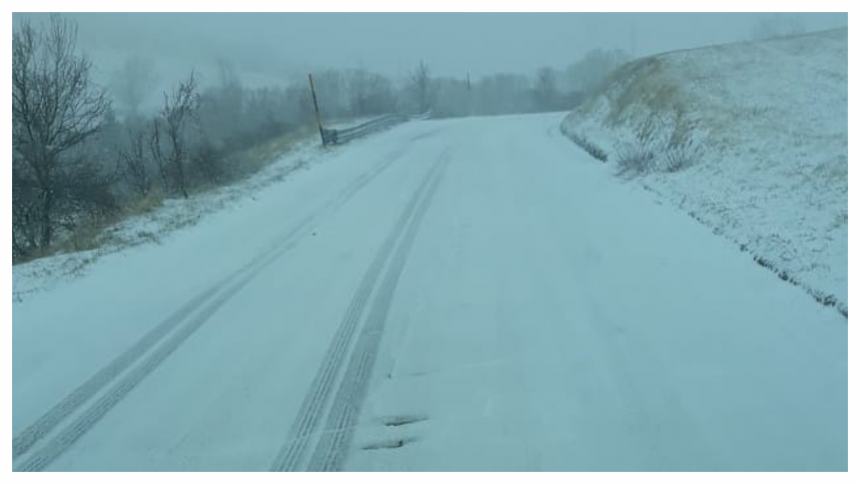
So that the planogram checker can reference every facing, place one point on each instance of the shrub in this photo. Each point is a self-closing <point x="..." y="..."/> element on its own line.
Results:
<point x="636" y="157"/>
<point x="677" y="158"/>
<point x="661" y="143"/>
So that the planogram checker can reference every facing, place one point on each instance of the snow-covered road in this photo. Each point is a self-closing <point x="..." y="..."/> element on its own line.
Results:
<point x="470" y="294"/>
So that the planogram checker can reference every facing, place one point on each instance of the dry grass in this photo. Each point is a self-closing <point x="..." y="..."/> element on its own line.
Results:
<point x="97" y="232"/>
<point x="254" y="159"/>
<point x="92" y="233"/>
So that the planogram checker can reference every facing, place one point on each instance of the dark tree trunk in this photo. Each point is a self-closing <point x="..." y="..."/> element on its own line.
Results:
<point x="47" y="226"/>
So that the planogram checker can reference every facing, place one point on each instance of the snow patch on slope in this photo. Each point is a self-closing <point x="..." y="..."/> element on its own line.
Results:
<point x="156" y="225"/>
<point x="767" y="124"/>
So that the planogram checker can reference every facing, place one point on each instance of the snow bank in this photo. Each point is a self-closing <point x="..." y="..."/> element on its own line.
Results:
<point x="750" y="139"/>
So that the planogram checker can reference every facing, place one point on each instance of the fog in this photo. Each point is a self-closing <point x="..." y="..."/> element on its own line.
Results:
<point x="267" y="48"/>
<point x="429" y="242"/>
<point x="163" y="105"/>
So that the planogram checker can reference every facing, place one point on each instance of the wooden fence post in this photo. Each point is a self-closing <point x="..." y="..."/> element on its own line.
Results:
<point x="316" y="109"/>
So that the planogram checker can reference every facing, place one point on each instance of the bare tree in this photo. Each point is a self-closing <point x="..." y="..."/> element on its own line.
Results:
<point x="26" y="208"/>
<point x="158" y="155"/>
<point x="221" y="109"/>
<point x="132" y="82"/>
<point x="55" y="108"/>
<point x="421" y="85"/>
<point x="179" y="109"/>
<point x="134" y="165"/>
<point x="359" y="86"/>
<point x="546" y="90"/>
<point x="369" y="93"/>
<point x="504" y="93"/>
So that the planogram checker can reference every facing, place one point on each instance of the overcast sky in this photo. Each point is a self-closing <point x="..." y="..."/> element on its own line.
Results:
<point x="270" y="46"/>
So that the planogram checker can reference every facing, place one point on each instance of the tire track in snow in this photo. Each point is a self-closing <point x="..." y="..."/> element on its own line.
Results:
<point x="291" y="454"/>
<point x="334" y="442"/>
<point x="22" y="442"/>
<point x="27" y="438"/>
<point x="80" y="425"/>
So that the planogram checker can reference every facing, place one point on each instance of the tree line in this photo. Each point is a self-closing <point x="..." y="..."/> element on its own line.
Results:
<point x="85" y="154"/>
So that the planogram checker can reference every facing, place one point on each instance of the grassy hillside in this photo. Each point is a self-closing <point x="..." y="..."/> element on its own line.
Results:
<point x="749" y="138"/>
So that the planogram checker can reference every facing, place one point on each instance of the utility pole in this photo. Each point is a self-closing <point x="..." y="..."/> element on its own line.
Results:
<point x="317" y="109"/>
<point x="468" y="94"/>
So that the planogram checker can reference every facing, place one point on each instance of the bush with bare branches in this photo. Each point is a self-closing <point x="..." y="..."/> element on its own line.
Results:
<point x="55" y="108"/>
<point x="171" y="150"/>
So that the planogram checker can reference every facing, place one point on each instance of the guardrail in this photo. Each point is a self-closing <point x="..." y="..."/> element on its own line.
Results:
<point x="337" y="136"/>
<point x="331" y="136"/>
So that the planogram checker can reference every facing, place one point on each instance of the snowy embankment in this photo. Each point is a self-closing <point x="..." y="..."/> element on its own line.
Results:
<point x="751" y="139"/>
<point x="155" y="225"/>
